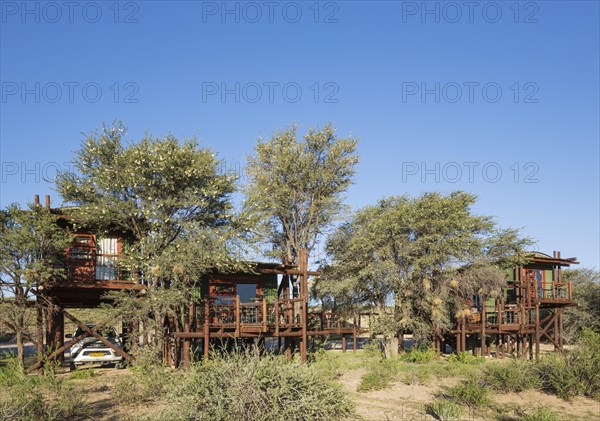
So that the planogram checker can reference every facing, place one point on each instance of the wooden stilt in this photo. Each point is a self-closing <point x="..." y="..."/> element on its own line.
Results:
<point x="537" y="331"/>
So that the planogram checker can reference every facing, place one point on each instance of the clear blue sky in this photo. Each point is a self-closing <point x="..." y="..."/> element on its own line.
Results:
<point x="418" y="84"/>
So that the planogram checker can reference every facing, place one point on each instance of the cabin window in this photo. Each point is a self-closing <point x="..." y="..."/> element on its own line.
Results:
<point x="82" y="247"/>
<point x="247" y="292"/>
<point x="106" y="259"/>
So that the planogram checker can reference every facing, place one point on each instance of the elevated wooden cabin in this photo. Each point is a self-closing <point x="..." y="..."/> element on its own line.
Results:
<point x="268" y="301"/>
<point x="529" y="310"/>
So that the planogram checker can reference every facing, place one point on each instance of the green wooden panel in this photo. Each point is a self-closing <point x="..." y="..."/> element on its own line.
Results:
<point x="269" y="287"/>
<point x="490" y="304"/>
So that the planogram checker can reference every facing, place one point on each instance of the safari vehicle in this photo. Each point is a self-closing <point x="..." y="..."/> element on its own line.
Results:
<point x="92" y="351"/>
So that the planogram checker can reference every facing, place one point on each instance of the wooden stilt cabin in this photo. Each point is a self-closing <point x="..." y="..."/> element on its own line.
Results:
<point x="269" y="301"/>
<point x="528" y="312"/>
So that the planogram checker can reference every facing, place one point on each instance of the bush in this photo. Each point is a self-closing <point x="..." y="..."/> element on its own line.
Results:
<point x="31" y="397"/>
<point x="380" y="375"/>
<point x="86" y="373"/>
<point x="244" y="385"/>
<point x="576" y="373"/>
<point x="250" y="386"/>
<point x="514" y="376"/>
<point x="465" y="358"/>
<point x="419" y="356"/>
<point x="557" y="377"/>
<point x="444" y="410"/>
<point x="149" y="381"/>
<point x="541" y="414"/>
<point x="470" y="393"/>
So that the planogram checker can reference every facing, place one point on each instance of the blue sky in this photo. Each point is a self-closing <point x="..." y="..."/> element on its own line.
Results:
<point x="496" y="98"/>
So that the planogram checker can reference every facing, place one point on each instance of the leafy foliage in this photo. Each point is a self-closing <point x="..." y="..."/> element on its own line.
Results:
<point x="515" y="376"/>
<point x="245" y="386"/>
<point x="28" y="397"/>
<point x="577" y="372"/>
<point x="444" y="410"/>
<point x="170" y="203"/>
<point x="586" y="292"/>
<point x="425" y="255"/>
<point x="469" y="393"/>
<point x="31" y="253"/>
<point x="296" y="186"/>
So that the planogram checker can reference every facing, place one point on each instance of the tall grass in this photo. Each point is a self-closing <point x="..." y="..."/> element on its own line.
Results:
<point x="515" y="375"/>
<point x="35" y="397"/>
<point x="243" y="385"/>
<point x="575" y="374"/>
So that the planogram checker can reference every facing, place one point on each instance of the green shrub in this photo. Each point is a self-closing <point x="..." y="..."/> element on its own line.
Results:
<point x="31" y="397"/>
<point x="541" y="414"/>
<point x="244" y="385"/>
<point x="576" y="373"/>
<point x="444" y="410"/>
<point x="86" y="373"/>
<point x="149" y="381"/>
<point x="465" y="358"/>
<point x="558" y="377"/>
<point x="250" y="386"/>
<point x="380" y="374"/>
<point x="469" y="393"/>
<point x="584" y="361"/>
<point x="419" y="356"/>
<point x="513" y="376"/>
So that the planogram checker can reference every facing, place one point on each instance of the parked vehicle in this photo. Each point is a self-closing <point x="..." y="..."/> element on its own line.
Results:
<point x="92" y="351"/>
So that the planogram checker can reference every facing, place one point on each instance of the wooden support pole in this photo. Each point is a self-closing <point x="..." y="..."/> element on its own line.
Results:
<point x="463" y="345"/>
<point x="39" y="340"/>
<point x="304" y="295"/>
<point x="55" y="323"/>
<point x="560" y="330"/>
<point x="206" y="344"/>
<point x="186" y="341"/>
<point x="537" y="331"/>
<point x="277" y="321"/>
<point x="354" y="344"/>
<point x="264" y="315"/>
<point x="237" y="316"/>
<point x="343" y="343"/>
<point x="483" y="323"/>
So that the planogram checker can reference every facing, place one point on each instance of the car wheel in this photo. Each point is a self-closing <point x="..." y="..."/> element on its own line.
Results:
<point x="121" y="365"/>
<point x="72" y="366"/>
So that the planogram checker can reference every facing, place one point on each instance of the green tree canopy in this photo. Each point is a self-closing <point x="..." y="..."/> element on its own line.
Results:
<point x="586" y="292"/>
<point x="297" y="185"/>
<point x="171" y="203"/>
<point x="423" y="256"/>
<point x="31" y="253"/>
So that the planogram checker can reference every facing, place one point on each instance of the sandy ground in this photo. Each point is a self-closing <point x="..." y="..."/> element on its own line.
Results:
<point x="407" y="402"/>
<point x="398" y="403"/>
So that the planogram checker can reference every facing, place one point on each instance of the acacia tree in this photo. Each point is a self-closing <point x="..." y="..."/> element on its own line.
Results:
<point x="31" y="252"/>
<point x="297" y="185"/>
<point x="167" y="197"/>
<point x="423" y="256"/>
<point x="586" y="292"/>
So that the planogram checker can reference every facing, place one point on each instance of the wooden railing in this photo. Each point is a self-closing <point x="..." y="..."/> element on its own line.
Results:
<point x="230" y="312"/>
<point x="557" y="290"/>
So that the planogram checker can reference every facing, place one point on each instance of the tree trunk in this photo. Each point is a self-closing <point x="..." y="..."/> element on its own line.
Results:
<point x="20" y="347"/>
<point x="39" y="336"/>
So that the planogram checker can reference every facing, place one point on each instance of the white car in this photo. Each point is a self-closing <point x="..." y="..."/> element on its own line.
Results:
<point x="92" y="351"/>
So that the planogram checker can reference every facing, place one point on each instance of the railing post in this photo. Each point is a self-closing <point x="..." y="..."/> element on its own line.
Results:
<point x="264" y="311"/>
<point x="237" y="315"/>
<point x="277" y="318"/>
<point x="206" y="327"/>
